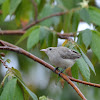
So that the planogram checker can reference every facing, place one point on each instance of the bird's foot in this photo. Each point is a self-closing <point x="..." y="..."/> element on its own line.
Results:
<point x="56" y="69"/>
<point x="61" y="71"/>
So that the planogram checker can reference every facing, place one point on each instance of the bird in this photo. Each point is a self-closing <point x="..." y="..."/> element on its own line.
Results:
<point x="61" y="56"/>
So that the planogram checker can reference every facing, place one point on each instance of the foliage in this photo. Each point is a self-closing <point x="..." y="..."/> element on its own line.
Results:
<point x="43" y="34"/>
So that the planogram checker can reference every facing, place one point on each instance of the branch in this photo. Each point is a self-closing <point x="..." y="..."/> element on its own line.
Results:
<point x="53" y="15"/>
<point x="84" y="82"/>
<point x="11" y="47"/>
<point x="4" y="63"/>
<point x="35" y="9"/>
<point x="12" y="32"/>
<point x="38" y="21"/>
<point x="65" y="35"/>
<point x="21" y="32"/>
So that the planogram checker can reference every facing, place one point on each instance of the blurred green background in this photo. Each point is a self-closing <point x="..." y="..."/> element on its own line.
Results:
<point x="17" y="14"/>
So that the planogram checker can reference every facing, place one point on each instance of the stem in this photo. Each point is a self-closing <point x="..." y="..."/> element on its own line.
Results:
<point x="35" y="9"/>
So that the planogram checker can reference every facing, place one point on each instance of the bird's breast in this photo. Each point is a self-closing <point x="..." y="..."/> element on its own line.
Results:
<point x="60" y="62"/>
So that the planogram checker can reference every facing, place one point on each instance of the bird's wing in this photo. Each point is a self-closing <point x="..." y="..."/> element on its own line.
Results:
<point x="66" y="53"/>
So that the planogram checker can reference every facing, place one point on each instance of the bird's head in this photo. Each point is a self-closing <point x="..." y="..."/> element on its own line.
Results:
<point x="49" y="51"/>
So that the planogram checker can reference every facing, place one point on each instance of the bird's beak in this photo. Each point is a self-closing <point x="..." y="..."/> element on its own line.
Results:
<point x="43" y="50"/>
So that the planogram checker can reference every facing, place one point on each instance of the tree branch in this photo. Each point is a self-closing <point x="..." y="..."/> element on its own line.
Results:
<point x="65" y="35"/>
<point x="21" y="32"/>
<point x="84" y="82"/>
<point x="35" y="9"/>
<point x="38" y="21"/>
<point x="12" y="32"/>
<point x="53" y="15"/>
<point x="11" y="47"/>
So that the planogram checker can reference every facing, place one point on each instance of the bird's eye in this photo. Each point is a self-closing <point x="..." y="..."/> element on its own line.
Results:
<point x="50" y="49"/>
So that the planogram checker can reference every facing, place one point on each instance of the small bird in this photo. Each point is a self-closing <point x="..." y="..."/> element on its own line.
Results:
<point x="61" y="56"/>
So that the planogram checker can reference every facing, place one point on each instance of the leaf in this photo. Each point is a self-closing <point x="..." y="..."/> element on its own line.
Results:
<point x="68" y="4"/>
<point x="1" y="89"/>
<point x="47" y="11"/>
<point x="5" y="8"/>
<point x="83" y="67"/>
<point x="33" y="38"/>
<point x="2" y="1"/>
<point x="16" y="73"/>
<point x="50" y="39"/>
<point x="74" y="70"/>
<point x="67" y="25"/>
<point x="34" y="97"/>
<point x="75" y="21"/>
<point x="80" y="42"/>
<point x="95" y="44"/>
<point x="8" y="60"/>
<point x="43" y="34"/>
<point x="19" y="77"/>
<point x="94" y="15"/>
<point x="13" y="5"/>
<point x="24" y="11"/>
<point x="43" y="98"/>
<point x="84" y="15"/>
<point x="86" y="37"/>
<point x="88" y="61"/>
<point x="12" y="91"/>
<point x="55" y="39"/>
<point x="28" y="32"/>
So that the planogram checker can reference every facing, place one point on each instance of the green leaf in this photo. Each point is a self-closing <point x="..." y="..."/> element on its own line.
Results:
<point x="86" y="37"/>
<point x="13" y="5"/>
<point x="47" y="11"/>
<point x="19" y="77"/>
<point x="50" y="39"/>
<point x="33" y="38"/>
<point x="88" y="61"/>
<point x="2" y="1"/>
<point x="84" y="15"/>
<point x="24" y="11"/>
<point x="95" y="44"/>
<point x="49" y="36"/>
<point x="94" y="15"/>
<point x="74" y="70"/>
<point x="43" y="34"/>
<point x="8" y="60"/>
<point x="43" y="98"/>
<point x="34" y="97"/>
<point x="55" y="39"/>
<point x="69" y="4"/>
<point x="75" y="21"/>
<point x="1" y="89"/>
<point x="83" y="67"/>
<point x="12" y="91"/>
<point x="28" y="32"/>
<point x="67" y="25"/>
<point x="16" y="73"/>
<point x="5" y="8"/>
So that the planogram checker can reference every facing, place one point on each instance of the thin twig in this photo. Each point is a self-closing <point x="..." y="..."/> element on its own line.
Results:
<point x="47" y="17"/>
<point x="38" y="21"/>
<point x="4" y="63"/>
<point x="84" y="82"/>
<point x="11" y="47"/>
<point x="35" y="9"/>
